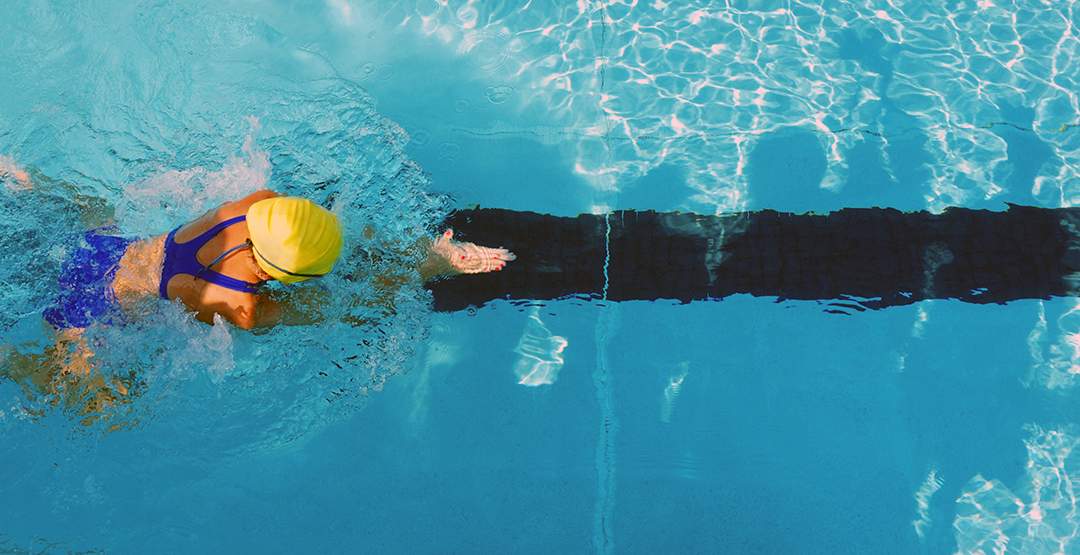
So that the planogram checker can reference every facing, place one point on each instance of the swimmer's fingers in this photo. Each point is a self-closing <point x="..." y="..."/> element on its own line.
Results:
<point x="503" y="254"/>
<point x="468" y="258"/>
<point x="474" y="259"/>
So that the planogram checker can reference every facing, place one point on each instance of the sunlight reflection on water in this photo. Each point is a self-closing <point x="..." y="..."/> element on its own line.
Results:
<point x="1039" y="515"/>
<point x="696" y="84"/>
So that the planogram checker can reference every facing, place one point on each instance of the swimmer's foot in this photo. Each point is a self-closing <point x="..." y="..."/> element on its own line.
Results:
<point x="18" y="179"/>
<point x="450" y="258"/>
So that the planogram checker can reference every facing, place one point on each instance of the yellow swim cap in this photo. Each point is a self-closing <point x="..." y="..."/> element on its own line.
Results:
<point x="293" y="239"/>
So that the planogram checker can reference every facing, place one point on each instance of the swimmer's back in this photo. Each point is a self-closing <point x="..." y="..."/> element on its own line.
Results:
<point x="245" y="309"/>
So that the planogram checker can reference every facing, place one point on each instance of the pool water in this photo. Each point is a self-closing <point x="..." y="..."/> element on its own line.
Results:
<point x="575" y="426"/>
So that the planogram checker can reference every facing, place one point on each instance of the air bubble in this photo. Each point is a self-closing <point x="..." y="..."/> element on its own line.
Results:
<point x="498" y="94"/>
<point x="365" y="71"/>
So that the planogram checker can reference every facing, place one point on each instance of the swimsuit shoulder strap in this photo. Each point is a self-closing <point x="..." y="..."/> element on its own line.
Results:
<point x="180" y="258"/>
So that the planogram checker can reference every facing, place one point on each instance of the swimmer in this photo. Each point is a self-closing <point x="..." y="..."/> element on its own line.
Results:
<point x="215" y="265"/>
<point x="218" y="263"/>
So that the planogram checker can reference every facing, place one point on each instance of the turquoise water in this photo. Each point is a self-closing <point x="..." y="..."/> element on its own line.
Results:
<point x="744" y="425"/>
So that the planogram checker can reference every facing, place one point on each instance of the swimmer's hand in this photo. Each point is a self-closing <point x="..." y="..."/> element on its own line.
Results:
<point x="450" y="258"/>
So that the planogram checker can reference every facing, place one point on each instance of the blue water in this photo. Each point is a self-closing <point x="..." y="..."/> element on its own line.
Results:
<point x="744" y="425"/>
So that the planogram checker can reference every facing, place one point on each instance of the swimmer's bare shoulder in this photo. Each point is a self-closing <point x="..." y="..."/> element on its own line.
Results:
<point x="245" y="310"/>
<point x="139" y="273"/>
<point x="217" y="215"/>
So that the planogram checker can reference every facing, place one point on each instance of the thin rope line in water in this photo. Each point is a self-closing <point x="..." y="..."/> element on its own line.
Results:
<point x="606" y="323"/>
<point x="607" y="253"/>
<point x="603" y="533"/>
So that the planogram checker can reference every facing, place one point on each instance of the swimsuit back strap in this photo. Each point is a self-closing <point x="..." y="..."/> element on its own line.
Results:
<point x="180" y="258"/>
<point x="227" y="282"/>
<point x="218" y="278"/>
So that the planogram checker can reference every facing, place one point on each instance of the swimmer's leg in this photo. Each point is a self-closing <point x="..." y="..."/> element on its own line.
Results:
<point x="70" y="353"/>
<point x="450" y="258"/>
<point x="93" y="211"/>
<point x="22" y="368"/>
<point x="64" y="376"/>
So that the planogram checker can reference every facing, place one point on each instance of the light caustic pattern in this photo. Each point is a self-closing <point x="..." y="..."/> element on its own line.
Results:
<point x="922" y="500"/>
<point x="671" y="392"/>
<point x="1040" y="516"/>
<point x="1056" y="354"/>
<point x="639" y="84"/>
<point x="540" y="353"/>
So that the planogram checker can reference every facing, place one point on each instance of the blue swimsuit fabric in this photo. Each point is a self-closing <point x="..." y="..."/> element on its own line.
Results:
<point x="85" y="295"/>
<point x="180" y="258"/>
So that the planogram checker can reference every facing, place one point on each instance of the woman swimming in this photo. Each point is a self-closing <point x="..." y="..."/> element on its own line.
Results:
<point x="218" y="263"/>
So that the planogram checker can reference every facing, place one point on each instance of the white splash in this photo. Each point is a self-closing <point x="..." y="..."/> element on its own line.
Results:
<point x="540" y="352"/>
<point x="185" y="195"/>
<point x="191" y="351"/>
<point x="212" y="351"/>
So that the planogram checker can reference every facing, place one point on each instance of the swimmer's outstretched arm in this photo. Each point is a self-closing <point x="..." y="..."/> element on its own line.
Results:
<point x="299" y="306"/>
<point x="446" y="258"/>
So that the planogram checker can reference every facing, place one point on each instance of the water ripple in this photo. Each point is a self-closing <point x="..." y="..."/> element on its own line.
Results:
<point x="698" y="84"/>
<point x="485" y="51"/>
<point x="1040" y="517"/>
